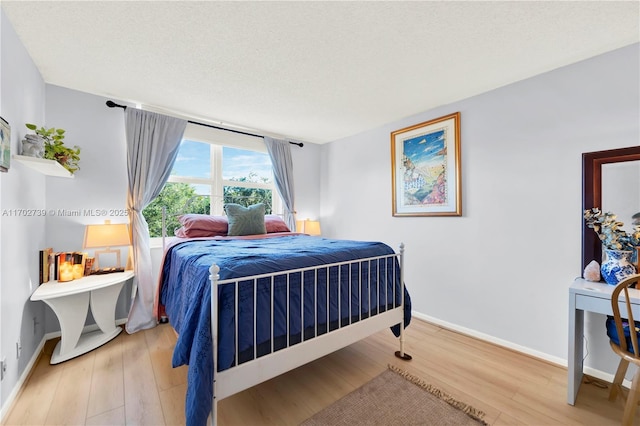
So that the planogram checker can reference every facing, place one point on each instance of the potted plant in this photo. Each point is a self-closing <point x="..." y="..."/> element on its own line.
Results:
<point x="618" y="244"/>
<point x="55" y="149"/>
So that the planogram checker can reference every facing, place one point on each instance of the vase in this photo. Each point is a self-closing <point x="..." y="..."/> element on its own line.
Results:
<point x="617" y="266"/>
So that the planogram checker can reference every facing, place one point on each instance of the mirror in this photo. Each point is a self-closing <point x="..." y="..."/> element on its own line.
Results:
<point x="621" y="191"/>
<point x="611" y="182"/>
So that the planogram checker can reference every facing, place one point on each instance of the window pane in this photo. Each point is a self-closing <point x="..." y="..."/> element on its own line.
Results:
<point x="177" y="198"/>
<point x="248" y="196"/>
<point x="246" y="166"/>
<point x="194" y="160"/>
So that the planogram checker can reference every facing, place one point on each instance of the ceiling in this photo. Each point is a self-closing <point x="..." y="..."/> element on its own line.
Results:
<point x="310" y="71"/>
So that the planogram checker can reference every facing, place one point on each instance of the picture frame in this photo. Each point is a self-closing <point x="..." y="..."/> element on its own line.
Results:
<point x="425" y="168"/>
<point x="5" y="145"/>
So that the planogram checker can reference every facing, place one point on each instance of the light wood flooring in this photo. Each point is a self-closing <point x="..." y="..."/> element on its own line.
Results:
<point x="130" y="381"/>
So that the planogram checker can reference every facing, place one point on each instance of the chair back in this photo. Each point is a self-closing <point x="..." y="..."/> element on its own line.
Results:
<point x="623" y="315"/>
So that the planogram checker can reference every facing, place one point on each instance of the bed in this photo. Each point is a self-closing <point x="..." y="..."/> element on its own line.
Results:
<point x="264" y="304"/>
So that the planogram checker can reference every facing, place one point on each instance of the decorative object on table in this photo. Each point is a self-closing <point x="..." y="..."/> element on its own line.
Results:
<point x="107" y="235"/>
<point x="33" y="146"/>
<point x="618" y="244"/>
<point x="617" y="266"/>
<point x="54" y="147"/>
<point x="88" y="266"/>
<point x="78" y="265"/>
<point x="592" y="272"/>
<point x="425" y="168"/>
<point x="5" y="145"/>
<point x="65" y="267"/>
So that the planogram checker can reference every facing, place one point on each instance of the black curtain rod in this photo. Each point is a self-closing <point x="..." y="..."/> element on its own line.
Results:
<point x="112" y="104"/>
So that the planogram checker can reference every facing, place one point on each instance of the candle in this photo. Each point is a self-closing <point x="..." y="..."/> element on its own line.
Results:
<point x="78" y="271"/>
<point x="65" y="272"/>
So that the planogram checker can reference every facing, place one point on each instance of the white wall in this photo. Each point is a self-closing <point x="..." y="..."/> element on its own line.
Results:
<point x="502" y="269"/>
<point x="99" y="186"/>
<point x="306" y="175"/>
<point x="22" y="95"/>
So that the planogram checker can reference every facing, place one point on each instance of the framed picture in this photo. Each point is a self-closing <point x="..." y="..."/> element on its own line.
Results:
<point x="425" y="168"/>
<point x="5" y="145"/>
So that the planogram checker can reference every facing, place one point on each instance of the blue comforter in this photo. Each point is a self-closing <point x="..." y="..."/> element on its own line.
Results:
<point x="185" y="293"/>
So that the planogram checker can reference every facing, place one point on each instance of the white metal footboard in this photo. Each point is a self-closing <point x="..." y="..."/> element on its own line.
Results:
<point x="350" y="327"/>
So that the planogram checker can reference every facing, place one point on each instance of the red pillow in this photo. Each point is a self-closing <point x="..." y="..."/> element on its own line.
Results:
<point x="194" y="233"/>
<point x="202" y="225"/>
<point x="275" y="223"/>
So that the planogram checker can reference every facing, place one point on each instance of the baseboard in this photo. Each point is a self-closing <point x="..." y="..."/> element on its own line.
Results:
<point x="492" y="339"/>
<point x="598" y="374"/>
<point x="6" y="407"/>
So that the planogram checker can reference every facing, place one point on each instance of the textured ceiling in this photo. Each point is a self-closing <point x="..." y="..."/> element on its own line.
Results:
<point x="312" y="71"/>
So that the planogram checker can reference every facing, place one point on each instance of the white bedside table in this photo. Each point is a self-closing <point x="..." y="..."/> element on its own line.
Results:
<point x="71" y="300"/>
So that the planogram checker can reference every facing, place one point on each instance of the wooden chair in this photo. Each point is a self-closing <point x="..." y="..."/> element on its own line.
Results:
<point x="624" y="342"/>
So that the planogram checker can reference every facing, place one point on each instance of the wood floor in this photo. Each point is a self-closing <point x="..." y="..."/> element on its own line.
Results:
<point x="130" y="381"/>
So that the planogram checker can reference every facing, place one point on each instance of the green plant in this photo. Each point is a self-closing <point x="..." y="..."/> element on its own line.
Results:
<point x="610" y="231"/>
<point x="55" y="149"/>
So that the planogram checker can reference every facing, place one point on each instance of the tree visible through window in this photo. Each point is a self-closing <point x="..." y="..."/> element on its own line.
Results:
<point x="205" y="177"/>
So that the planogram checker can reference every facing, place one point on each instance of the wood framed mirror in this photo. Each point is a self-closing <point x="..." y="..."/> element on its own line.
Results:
<point x="592" y="193"/>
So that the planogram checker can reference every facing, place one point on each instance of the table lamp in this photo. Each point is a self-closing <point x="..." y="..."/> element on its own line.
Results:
<point x="107" y="235"/>
<point x="311" y="227"/>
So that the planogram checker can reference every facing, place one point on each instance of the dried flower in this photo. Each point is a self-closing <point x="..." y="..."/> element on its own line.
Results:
<point x="610" y="231"/>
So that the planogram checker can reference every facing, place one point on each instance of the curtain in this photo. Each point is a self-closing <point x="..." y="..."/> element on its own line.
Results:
<point x="280" y="153"/>
<point x="152" y="146"/>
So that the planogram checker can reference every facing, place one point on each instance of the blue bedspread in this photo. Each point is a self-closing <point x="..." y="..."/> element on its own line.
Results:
<point x="185" y="293"/>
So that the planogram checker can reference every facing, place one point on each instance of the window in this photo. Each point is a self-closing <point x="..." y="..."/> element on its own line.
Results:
<point x="207" y="174"/>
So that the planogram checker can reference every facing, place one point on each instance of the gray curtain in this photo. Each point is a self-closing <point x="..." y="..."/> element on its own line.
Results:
<point x="280" y="153"/>
<point x="152" y="146"/>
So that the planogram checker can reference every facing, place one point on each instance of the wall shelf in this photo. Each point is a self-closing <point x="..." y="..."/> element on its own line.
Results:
<point x="44" y="166"/>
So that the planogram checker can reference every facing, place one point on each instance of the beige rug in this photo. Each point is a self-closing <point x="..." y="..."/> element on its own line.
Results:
<point x="395" y="397"/>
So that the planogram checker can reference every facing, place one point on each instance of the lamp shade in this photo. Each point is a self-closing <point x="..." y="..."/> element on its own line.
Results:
<point x="311" y="227"/>
<point x="106" y="235"/>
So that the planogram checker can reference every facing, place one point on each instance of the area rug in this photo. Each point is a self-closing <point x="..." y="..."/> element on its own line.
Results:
<point x="395" y="397"/>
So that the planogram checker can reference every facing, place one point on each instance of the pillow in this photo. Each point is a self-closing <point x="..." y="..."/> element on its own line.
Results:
<point x="195" y="233"/>
<point x="245" y="220"/>
<point x="202" y="225"/>
<point x="275" y="223"/>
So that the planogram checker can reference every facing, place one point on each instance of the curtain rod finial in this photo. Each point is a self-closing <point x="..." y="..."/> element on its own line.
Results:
<point x="112" y="104"/>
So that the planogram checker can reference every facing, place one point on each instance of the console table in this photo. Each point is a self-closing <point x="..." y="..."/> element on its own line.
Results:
<point x="593" y="297"/>
<point x="71" y="301"/>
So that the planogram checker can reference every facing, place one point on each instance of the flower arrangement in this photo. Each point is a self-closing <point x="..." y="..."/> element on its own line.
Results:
<point x="610" y="231"/>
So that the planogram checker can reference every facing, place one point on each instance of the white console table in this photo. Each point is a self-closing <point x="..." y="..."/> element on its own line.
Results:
<point x="593" y="297"/>
<point x="70" y="302"/>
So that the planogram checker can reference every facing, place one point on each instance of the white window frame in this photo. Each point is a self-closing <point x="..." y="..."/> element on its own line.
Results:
<point x="219" y="139"/>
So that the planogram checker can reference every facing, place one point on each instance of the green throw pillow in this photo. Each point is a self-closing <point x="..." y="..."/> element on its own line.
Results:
<point x="245" y="220"/>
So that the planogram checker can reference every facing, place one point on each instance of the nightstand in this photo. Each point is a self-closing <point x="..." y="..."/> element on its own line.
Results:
<point x="71" y="301"/>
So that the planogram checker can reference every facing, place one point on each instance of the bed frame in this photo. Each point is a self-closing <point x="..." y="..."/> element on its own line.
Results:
<point x="247" y="374"/>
